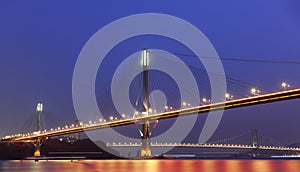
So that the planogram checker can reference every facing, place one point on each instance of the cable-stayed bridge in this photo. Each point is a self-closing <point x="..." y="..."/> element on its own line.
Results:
<point x="230" y="103"/>
<point x="249" y="101"/>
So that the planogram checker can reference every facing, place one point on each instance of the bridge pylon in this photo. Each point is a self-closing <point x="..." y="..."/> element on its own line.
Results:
<point x="37" y="144"/>
<point x="145" y="151"/>
<point x="254" y="138"/>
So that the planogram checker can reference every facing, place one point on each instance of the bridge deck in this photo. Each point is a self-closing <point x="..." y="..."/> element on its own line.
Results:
<point x="259" y="99"/>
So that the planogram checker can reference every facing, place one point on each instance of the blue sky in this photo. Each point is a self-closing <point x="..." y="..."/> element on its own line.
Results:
<point x="40" y="43"/>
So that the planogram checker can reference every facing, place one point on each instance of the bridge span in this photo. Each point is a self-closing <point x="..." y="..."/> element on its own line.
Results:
<point x="198" y="145"/>
<point x="236" y="103"/>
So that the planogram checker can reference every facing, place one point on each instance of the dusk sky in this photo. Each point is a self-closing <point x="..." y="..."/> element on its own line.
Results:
<point x="40" y="42"/>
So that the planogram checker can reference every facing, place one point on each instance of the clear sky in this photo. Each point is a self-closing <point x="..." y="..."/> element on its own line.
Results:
<point x="41" y="40"/>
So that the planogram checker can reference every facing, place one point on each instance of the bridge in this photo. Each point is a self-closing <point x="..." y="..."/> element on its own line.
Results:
<point x="255" y="99"/>
<point x="71" y="129"/>
<point x="207" y="145"/>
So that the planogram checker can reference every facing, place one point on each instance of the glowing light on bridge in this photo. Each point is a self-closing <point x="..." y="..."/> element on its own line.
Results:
<point x="145" y="59"/>
<point x="228" y="96"/>
<point x="254" y="91"/>
<point x="205" y="145"/>
<point x="166" y="108"/>
<point x="284" y="85"/>
<point x="39" y="107"/>
<point x="265" y="98"/>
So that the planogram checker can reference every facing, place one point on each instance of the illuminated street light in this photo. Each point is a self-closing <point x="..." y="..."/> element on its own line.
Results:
<point x="136" y="113"/>
<point x="183" y="103"/>
<point x="228" y="96"/>
<point x="166" y="107"/>
<point x="111" y="118"/>
<point x="204" y="100"/>
<point x="123" y="115"/>
<point x="254" y="91"/>
<point x="285" y="85"/>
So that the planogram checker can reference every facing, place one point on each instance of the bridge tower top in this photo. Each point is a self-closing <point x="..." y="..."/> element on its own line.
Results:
<point x="39" y="109"/>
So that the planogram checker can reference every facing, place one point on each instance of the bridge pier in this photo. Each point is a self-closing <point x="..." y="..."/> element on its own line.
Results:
<point x="146" y="151"/>
<point x="37" y="148"/>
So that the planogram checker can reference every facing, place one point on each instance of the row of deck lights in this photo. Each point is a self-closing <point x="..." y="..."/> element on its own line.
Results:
<point x="63" y="128"/>
<point x="204" y="101"/>
<point x="206" y="144"/>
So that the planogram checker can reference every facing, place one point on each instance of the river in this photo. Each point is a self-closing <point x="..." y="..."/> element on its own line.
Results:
<point x="151" y="166"/>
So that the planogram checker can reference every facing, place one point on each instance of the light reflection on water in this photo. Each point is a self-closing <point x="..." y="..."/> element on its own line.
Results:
<point x="151" y="165"/>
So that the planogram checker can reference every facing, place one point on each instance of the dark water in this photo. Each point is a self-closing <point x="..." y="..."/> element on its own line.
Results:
<point x="152" y="166"/>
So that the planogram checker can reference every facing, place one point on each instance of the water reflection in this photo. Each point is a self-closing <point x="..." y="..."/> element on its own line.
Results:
<point x="151" y="165"/>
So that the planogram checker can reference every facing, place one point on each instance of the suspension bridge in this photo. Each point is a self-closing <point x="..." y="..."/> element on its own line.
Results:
<point x="221" y="144"/>
<point x="198" y="145"/>
<point x="147" y="118"/>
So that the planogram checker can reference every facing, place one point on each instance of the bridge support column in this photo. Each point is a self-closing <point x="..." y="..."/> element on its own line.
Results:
<point x="37" y="148"/>
<point x="146" y="151"/>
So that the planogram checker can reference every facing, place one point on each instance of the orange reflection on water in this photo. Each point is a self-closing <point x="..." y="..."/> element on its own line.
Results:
<point x="262" y="165"/>
<point x="208" y="165"/>
<point x="293" y="165"/>
<point x="151" y="166"/>
<point x="235" y="166"/>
